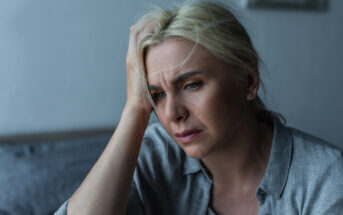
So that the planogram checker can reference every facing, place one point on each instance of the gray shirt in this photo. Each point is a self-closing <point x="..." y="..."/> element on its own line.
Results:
<point x="304" y="175"/>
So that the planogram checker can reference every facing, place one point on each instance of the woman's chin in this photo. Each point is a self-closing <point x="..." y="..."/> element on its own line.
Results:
<point x="196" y="152"/>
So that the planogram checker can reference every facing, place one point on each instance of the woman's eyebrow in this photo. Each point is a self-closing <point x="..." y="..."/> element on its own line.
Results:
<point x="184" y="76"/>
<point x="153" y="87"/>
<point x="177" y="79"/>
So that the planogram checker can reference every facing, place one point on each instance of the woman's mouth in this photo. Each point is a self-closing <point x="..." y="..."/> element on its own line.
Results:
<point x="188" y="136"/>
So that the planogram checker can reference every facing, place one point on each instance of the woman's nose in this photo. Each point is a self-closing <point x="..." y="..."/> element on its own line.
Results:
<point x="176" y="110"/>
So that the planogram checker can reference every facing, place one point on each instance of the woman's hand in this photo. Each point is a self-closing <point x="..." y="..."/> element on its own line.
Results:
<point x="136" y="97"/>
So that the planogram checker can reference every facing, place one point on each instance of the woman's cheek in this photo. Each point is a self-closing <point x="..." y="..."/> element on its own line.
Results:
<point x="205" y="103"/>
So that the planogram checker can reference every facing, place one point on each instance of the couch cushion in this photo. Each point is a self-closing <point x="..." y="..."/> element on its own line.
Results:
<point x="36" y="178"/>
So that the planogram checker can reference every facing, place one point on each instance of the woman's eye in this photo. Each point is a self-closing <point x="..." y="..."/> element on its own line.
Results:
<point x="159" y="95"/>
<point x="192" y="85"/>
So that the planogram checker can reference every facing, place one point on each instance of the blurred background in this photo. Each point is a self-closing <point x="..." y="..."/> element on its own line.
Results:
<point x="62" y="63"/>
<point x="63" y="83"/>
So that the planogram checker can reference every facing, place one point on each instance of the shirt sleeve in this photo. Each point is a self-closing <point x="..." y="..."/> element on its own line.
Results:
<point x="134" y="204"/>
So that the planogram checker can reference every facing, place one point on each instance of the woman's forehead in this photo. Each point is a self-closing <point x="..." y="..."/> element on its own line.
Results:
<point x="171" y="56"/>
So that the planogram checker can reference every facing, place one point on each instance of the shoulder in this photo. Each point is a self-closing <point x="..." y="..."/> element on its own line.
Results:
<point x="315" y="151"/>
<point x="313" y="181"/>
<point x="315" y="174"/>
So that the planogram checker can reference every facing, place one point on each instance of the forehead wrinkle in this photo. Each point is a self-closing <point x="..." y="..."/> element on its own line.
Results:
<point x="177" y="67"/>
<point x="182" y="63"/>
<point x="165" y="77"/>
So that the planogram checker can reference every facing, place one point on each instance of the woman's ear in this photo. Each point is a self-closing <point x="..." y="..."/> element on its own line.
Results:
<point x="253" y="83"/>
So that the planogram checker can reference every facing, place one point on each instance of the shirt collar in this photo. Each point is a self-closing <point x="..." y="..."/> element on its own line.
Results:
<point x="191" y="165"/>
<point x="275" y="177"/>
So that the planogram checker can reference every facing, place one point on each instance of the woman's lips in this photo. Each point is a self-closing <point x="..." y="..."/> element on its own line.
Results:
<point x="188" y="136"/>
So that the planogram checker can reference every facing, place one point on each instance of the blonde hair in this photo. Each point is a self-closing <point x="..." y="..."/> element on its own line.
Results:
<point x="211" y="25"/>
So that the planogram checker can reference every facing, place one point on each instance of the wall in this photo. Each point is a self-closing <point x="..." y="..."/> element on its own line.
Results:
<point x="62" y="64"/>
<point x="302" y="51"/>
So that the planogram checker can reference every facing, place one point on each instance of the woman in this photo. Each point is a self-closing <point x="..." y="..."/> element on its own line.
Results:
<point x="217" y="150"/>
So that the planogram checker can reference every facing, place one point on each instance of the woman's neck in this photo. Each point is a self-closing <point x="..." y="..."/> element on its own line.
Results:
<point x="240" y="163"/>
